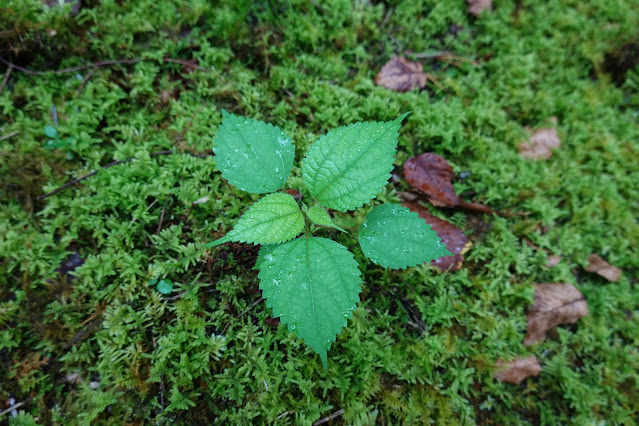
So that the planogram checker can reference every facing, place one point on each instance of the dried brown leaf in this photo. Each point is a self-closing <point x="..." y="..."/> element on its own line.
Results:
<point x="540" y="144"/>
<point x="476" y="7"/>
<point x="452" y="237"/>
<point x="517" y="370"/>
<point x="431" y="174"/>
<point x="554" y="304"/>
<point x="401" y="75"/>
<point x="601" y="267"/>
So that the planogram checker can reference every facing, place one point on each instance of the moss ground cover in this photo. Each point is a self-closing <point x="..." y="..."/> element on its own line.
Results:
<point x="100" y="344"/>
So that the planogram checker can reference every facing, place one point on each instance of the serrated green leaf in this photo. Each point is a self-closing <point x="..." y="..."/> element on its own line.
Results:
<point x="313" y="285"/>
<point x="273" y="219"/>
<point x="350" y="165"/>
<point x="319" y="216"/>
<point x="264" y="250"/>
<point x="254" y="156"/>
<point x="393" y="236"/>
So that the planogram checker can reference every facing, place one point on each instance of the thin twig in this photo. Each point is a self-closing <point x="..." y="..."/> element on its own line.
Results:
<point x="6" y="78"/>
<point x="176" y="297"/>
<point x="318" y="6"/>
<point x="329" y="418"/>
<point x="475" y="207"/>
<point x="101" y="64"/>
<point x="387" y="17"/>
<point x="18" y="67"/>
<point x="161" y="219"/>
<point x="185" y="63"/>
<point x="13" y="407"/>
<point x="9" y="135"/>
<point x="254" y="304"/>
<point x="443" y="55"/>
<point x="111" y="164"/>
<point x="85" y="80"/>
<point x="284" y="414"/>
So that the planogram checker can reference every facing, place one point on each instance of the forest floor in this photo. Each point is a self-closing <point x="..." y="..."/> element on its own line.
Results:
<point x="113" y="312"/>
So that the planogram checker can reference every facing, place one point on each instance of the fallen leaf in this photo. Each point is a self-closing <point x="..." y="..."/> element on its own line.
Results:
<point x="452" y="237"/>
<point x="540" y="144"/>
<point x="601" y="267"/>
<point x="272" y="322"/>
<point x="431" y="174"/>
<point x="401" y="75"/>
<point x="554" y="304"/>
<point x="552" y="261"/>
<point x="476" y="7"/>
<point x="517" y="370"/>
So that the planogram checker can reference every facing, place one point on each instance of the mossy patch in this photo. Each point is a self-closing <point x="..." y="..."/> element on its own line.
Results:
<point x="422" y="345"/>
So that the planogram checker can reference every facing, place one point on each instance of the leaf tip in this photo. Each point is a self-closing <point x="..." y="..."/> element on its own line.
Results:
<point x="324" y="359"/>
<point x="217" y="242"/>
<point x="403" y="116"/>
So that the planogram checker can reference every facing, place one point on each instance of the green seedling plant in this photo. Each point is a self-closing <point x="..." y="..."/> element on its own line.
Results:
<point x="55" y="142"/>
<point x="313" y="283"/>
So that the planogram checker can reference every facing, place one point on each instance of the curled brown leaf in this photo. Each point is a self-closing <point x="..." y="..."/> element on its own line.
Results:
<point x="554" y="304"/>
<point x="401" y="75"/>
<point x="517" y="370"/>
<point x="599" y="266"/>
<point x="452" y="237"/>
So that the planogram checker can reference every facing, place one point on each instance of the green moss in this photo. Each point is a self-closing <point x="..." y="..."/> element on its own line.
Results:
<point x="422" y="344"/>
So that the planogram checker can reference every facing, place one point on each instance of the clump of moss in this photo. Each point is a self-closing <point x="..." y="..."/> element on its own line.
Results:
<point x="107" y="345"/>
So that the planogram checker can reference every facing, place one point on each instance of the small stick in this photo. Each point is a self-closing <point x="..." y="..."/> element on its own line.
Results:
<point x="257" y="302"/>
<point x="100" y="64"/>
<point x="475" y="207"/>
<point x="6" y="78"/>
<point x="9" y="135"/>
<point x="13" y="407"/>
<point x="18" y="67"/>
<point x="387" y="17"/>
<point x="318" y="6"/>
<point x="329" y="418"/>
<point x="161" y="219"/>
<point x="442" y="56"/>
<point x="284" y="414"/>
<point x="85" y="80"/>
<point x="111" y="164"/>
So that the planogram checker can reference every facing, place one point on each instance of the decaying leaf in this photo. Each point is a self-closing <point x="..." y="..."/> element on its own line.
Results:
<point x="517" y="370"/>
<point x="555" y="304"/>
<point x="552" y="260"/>
<point x="431" y="174"/>
<point x="601" y="267"/>
<point x="452" y="237"/>
<point x="540" y="144"/>
<point x="295" y="194"/>
<point x="476" y="7"/>
<point x="401" y="75"/>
